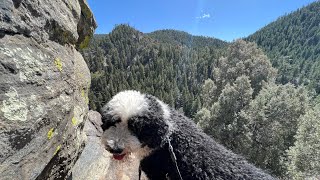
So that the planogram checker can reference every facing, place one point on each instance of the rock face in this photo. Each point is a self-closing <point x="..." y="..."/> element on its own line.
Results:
<point x="62" y="21"/>
<point x="93" y="163"/>
<point x="44" y="83"/>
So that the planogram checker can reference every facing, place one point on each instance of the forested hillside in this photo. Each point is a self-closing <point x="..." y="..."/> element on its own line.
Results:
<point x="293" y="44"/>
<point x="175" y="37"/>
<point x="129" y="59"/>
<point x="251" y="100"/>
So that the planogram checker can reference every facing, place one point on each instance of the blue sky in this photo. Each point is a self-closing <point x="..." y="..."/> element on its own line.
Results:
<point x="223" y="19"/>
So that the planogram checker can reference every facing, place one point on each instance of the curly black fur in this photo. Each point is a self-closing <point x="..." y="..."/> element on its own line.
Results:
<point x="199" y="157"/>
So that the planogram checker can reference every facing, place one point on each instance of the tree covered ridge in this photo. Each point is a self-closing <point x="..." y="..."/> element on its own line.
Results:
<point x="129" y="59"/>
<point x="293" y="44"/>
<point x="185" y="39"/>
<point x="231" y="90"/>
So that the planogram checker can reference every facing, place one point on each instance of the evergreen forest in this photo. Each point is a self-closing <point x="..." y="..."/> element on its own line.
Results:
<point x="258" y="96"/>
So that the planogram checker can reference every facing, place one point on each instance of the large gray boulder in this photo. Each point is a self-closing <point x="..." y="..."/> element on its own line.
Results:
<point x="44" y="83"/>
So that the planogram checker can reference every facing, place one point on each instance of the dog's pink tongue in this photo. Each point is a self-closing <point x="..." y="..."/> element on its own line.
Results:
<point x="119" y="157"/>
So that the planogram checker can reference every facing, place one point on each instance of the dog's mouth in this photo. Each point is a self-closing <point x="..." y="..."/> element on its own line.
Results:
<point x="119" y="156"/>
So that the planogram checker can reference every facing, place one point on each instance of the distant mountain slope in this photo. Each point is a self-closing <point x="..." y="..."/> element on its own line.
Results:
<point x="129" y="59"/>
<point x="184" y="38"/>
<point x="293" y="44"/>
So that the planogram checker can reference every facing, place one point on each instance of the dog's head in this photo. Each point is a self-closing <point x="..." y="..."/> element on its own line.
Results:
<point x="132" y="121"/>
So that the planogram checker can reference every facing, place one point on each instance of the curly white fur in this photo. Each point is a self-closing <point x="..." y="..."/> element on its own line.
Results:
<point x="127" y="104"/>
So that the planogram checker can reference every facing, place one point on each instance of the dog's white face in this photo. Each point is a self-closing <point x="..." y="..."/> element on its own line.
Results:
<point x="119" y="141"/>
<point x="134" y="122"/>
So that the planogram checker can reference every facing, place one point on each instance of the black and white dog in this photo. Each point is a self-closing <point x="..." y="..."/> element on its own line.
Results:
<point x="168" y="144"/>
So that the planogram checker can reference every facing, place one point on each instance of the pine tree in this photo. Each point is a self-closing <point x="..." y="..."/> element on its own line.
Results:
<point x="273" y="119"/>
<point x="304" y="156"/>
<point x="225" y="124"/>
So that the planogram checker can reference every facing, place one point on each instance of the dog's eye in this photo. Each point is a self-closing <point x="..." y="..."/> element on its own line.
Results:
<point x="109" y="121"/>
<point x="116" y="119"/>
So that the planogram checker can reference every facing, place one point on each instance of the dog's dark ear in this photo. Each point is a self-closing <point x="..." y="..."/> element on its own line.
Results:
<point x="150" y="130"/>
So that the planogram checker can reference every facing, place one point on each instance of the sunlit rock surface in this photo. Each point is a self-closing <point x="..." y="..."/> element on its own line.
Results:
<point x="44" y="84"/>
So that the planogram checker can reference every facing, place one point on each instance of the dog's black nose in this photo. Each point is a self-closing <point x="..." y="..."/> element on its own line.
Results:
<point x="116" y="150"/>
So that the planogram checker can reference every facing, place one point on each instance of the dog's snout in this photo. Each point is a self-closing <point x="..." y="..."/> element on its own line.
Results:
<point x="114" y="147"/>
<point x="117" y="150"/>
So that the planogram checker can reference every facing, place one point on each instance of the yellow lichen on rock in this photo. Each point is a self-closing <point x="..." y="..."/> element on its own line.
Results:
<point x="85" y="96"/>
<point x="83" y="93"/>
<point x="74" y="121"/>
<point x="58" y="63"/>
<point x="50" y="133"/>
<point x="57" y="149"/>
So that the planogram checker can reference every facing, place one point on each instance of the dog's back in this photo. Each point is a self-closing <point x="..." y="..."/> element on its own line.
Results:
<point x="198" y="157"/>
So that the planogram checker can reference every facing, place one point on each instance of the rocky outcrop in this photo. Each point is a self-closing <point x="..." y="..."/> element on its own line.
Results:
<point x="44" y="83"/>
<point x="62" y="21"/>
<point x="93" y="163"/>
